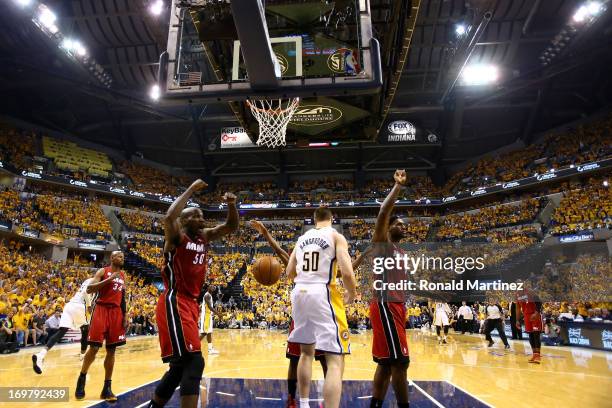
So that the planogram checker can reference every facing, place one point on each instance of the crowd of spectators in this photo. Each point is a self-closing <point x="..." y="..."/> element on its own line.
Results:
<point x="584" y="208"/>
<point x="455" y="226"/>
<point x="139" y="221"/>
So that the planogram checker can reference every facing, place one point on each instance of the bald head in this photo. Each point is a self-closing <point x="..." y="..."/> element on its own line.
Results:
<point x="117" y="258"/>
<point x="192" y="220"/>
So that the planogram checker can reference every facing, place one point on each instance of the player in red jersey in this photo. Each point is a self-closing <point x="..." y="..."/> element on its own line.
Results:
<point x="108" y="323"/>
<point x="185" y="252"/>
<point x="530" y="308"/>
<point x="388" y="310"/>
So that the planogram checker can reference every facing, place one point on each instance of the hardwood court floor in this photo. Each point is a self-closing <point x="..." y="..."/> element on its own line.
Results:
<point x="568" y="377"/>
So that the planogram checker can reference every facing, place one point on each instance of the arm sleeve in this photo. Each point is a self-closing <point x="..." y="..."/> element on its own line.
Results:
<point x="123" y="303"/>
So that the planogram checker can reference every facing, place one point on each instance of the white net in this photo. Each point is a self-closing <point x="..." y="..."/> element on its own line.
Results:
<point x="273" y="117"/>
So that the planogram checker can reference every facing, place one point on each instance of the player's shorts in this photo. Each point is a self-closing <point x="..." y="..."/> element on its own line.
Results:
<point x="106" y="325"/>
<point x="293" y="349"/>
<point x="73" y="316"/>
<point x="206" y="320"/>
<point x="389" y="345"/>
<point x="441" y="319"/>
<point x="177" y="322"/>
<point x="319" y="318"/>
<point x="535" y="325"/>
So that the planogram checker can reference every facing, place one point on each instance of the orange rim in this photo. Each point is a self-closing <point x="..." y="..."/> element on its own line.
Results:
<point x="275" y="111"/>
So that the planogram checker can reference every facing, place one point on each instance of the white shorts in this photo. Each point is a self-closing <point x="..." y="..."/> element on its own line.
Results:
<point x="73" y="316"/>
<point x="441" y="319"/>
<point x="206" y="320"/>
<point x="319" y="318"/>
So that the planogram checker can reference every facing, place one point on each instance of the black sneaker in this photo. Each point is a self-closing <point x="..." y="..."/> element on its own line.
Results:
<point x="79" y="393"/>
<point x="444" y="341"/>
<point x="507" y="347"/>
<point x="35" y="364"/>
<point x="490" y="344"/>
<point x="107" y="394"/>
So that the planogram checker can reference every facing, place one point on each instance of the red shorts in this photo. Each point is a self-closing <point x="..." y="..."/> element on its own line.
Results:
<point x="177" y="322"/>
<point x="389" y="345"/>
<point x="106" y="325"/>
<point x="293" y="349"/>
<point x="534" y="325"/>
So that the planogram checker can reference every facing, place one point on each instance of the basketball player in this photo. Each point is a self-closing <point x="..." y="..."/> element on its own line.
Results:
<point x="441" y="321"/>
<point x="318" y="312"/>
<point x="293" y="349"/>
<point x="388" y="310"/>
<point x="206" y="318"/>
<point x="74" y="316"/>
<point x="108" y="323"/>
<point x="531" y="310"/>
<point x="185" y="252"/>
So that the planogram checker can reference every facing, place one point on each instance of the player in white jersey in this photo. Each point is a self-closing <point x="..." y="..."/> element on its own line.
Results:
<point x="441" y="321"/>
<point x="73" y="317"/>
<point x="318" y="311"/>
<point x="206" y="318"/>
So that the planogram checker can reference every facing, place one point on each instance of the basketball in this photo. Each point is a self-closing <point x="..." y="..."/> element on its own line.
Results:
<point x="267" y="270"/>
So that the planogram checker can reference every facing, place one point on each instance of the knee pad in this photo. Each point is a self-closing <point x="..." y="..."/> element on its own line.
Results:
<point x="192" y="375"/>
<point x="169" y="381"/>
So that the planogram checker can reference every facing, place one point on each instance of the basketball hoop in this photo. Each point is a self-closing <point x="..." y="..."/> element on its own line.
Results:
<point x="273" y="119"/>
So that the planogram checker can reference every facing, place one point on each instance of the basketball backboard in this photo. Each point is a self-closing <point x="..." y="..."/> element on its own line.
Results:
<point x="315" y="48"/>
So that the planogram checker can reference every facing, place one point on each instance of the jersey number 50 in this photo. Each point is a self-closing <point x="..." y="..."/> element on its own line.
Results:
<point x="311" y="261"/>
<point x="199" y="259"/>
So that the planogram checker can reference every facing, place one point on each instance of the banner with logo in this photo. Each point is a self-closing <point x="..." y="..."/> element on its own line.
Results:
<point x="591" y="335"/>
<point x="235" y="138"/>
<point x="398" y="130"/>
<point x="321" y="115"/>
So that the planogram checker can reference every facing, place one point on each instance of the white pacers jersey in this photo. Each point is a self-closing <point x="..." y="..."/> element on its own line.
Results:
<point x="315" y="253"/>
<point x="82" y="297"/>
<point x="74" y="315"/>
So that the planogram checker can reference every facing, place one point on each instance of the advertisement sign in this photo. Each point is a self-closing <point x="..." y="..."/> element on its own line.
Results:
<point x="398" y="130"/>
<point x="234" y="138"/>
<point x="591" y="335"/>
<point x="585" y="236"/>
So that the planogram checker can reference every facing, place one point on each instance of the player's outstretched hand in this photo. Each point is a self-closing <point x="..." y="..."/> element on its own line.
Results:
<point x="257" y="225"/>
<point x="349" y="297"/>
<point x="229" y="198"/>
<point x="199" y="185"/>
<point x="400" y="176"/>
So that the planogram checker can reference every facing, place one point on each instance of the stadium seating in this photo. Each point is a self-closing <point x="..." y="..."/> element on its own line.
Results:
<point x="69" y="156"/>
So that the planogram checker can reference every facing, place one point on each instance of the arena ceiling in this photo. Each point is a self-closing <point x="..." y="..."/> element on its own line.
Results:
<point x="41" y="84"/>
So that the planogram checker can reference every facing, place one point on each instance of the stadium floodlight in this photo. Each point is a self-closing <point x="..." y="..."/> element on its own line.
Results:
<point x="587" y="11"/>
<point x="479" y="74"/>
<point x="74" y="47"/>
<point x="460" y="29"/>
<point x="23" y="3"/>
<point x="155" y="92"/>
<point x="45" y="20"/>
<point x="156" y="7"/>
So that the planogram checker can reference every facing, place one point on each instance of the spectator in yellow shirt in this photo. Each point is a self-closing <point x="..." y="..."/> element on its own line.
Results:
<point x="21" y="322"/>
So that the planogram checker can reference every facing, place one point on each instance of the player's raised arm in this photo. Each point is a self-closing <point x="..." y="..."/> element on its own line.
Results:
<point x="231" y="223"/>
<point x="384" y="214"/>
<point x="292" y="267"/>
<point x="344" y="263"/>
<point x="280" y="252"/>
<point x="359" y="260"/>
<point x="172" y="226"/>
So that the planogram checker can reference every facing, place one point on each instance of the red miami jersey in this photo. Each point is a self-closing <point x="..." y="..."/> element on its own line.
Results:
<point x="112" y="293"/>
<point x="185" y="267"/>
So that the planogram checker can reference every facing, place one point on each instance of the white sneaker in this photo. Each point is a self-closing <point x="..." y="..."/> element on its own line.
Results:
<point x="213" y="351"/>
<point x="81" y="356"/>
<point x="37" y="363"/>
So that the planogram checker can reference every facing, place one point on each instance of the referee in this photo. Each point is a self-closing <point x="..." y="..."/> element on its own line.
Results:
<point x="495" y="320"/>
